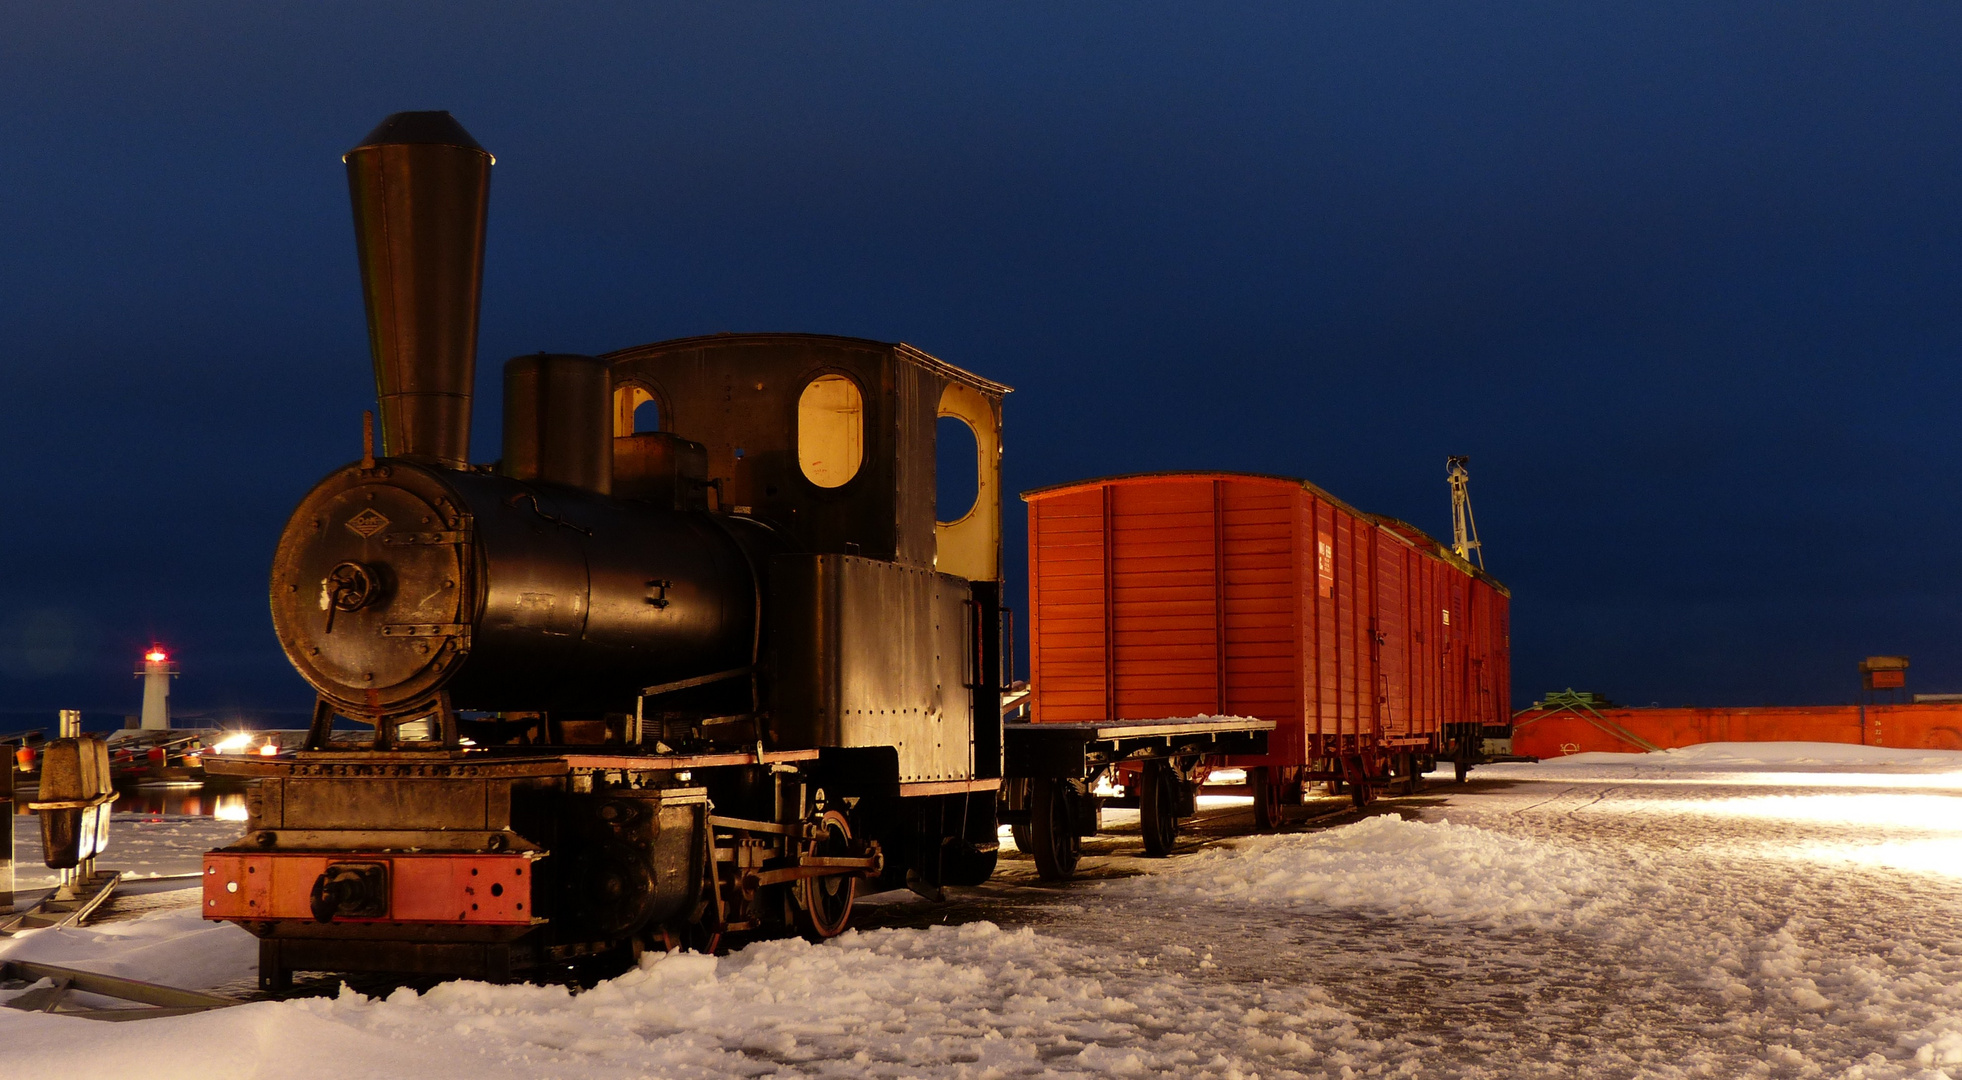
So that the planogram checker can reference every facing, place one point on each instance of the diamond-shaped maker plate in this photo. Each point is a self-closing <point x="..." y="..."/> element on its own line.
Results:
<point x="367" y="523"/>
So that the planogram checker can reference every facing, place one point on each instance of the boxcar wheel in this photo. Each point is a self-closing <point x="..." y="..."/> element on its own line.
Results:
<point x="1052" y="829"/>
<point x="1270" y="799"/>
<point x="1461" y="768"/>
<point x="1359" y="794"/>
<point x="1158" y="808"/>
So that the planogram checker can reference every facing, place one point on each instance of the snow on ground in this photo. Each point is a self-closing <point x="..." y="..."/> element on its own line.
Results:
<point x="175" y="947"/>
<point x="972" y="1000"/>
<point x="1764" y="911"/>
<point x="140" y="845"/>
<point x="1395" y="868"/>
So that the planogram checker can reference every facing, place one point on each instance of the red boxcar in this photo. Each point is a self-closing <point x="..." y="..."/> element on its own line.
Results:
<point x="1373" y="647"/>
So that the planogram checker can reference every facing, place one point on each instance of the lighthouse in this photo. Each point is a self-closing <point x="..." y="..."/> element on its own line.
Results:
<point x="156" y="671"/>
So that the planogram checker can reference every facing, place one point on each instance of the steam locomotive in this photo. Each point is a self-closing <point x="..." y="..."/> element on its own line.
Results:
<point x="622" y="688"/>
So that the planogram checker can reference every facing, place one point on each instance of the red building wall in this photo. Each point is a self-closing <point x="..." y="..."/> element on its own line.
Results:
<point x="1545" y="734"/>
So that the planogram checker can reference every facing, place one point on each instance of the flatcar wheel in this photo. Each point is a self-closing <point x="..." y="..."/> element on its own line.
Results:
<point x="1052" y="829"/>
<point x="1270" y="802"/>
<point x="1158" y="808"/>
<point x="1015" y="795"/>
<point x="824" y="904"/>
<point x="1020" y="833"/>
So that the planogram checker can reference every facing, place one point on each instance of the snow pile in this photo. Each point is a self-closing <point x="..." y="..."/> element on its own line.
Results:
<point x="968" y="1000"/>
<point x="974" y="1000"/>
<point x="175" y="947"/>
<point x="1389" y="866"/>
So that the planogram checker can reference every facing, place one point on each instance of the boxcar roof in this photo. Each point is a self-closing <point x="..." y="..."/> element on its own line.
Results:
<point x="1402" y="530"/>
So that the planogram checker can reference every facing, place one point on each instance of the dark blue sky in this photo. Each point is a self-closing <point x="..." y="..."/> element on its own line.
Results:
<point x="1682" y="279"/>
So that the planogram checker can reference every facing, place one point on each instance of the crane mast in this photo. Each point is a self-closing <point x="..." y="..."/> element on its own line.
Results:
<point x="1464" y="529"/>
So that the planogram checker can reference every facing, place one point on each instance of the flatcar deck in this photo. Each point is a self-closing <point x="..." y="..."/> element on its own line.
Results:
<point x="1073" y="750"/>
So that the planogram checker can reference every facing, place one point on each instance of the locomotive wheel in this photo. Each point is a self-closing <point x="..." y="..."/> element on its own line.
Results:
<point x="1052" y="829"/>
<point x="964" y="865"/>
<point x="1158" y="808"/>
<point x="969" y="859"/>
<point x="1270" y="799"/>
<point x="824" y="904"/>
<point x="690" y="936"/>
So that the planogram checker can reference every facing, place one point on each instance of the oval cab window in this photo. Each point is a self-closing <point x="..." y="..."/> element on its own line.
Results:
<point x="957" y="470"/>
<point x="830" y="430"/>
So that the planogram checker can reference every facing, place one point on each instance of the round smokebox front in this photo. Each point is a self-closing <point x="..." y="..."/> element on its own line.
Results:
<point x="368" y="588"/>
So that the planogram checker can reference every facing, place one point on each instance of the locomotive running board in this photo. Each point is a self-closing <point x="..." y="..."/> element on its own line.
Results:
<point x="683" y="762"/>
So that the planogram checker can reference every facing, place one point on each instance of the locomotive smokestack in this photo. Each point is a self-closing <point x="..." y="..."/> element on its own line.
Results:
<point x="421" y="191"/>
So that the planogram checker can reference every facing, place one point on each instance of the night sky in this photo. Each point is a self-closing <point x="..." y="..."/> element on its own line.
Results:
<point x="1682" y="280"/>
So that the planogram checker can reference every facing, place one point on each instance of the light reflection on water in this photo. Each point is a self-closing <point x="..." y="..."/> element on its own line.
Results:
<point x="189" y="802"/>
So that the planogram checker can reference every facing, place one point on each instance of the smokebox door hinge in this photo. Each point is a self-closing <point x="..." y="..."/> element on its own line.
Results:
<point x="408" y="539"/>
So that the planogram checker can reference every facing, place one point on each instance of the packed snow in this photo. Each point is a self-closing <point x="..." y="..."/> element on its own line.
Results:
<point x="1396" y="868"/>
<point x="175" y="947"/>
<point x="971" y="1000"/>
<point x="1767" y="910"/>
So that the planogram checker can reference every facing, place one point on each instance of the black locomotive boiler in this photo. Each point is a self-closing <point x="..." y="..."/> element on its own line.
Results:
<point x="623" y="687"/>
